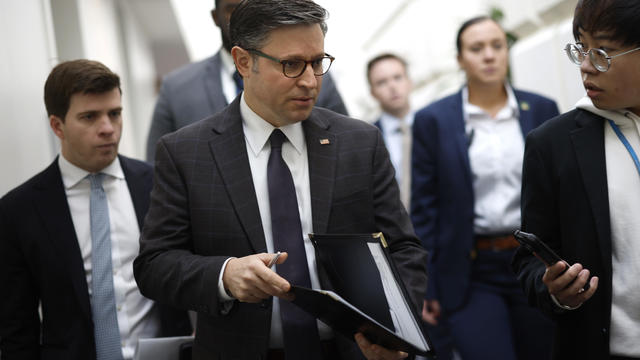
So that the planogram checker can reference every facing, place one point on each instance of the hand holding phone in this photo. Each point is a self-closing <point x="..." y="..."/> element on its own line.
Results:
<point x="538" y="248"/>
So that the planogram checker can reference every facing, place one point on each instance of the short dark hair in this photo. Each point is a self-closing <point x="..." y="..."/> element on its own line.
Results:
<point x="385" y="56"/>
<point x="253" y="20"/>
<point x="466" y="24"/>
<point x="619" y="18"/>
<point x="76" y="76"/>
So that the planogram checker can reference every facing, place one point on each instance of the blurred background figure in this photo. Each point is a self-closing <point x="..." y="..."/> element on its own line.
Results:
<point x="390" y="85"/>
<point x="467" y="163"/>
<point x="200" y="89"/>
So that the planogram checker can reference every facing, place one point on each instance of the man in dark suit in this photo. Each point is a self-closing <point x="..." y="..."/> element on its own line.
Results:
<point x="203" y="88"/>
<point x="49" y="228"/>
<point x="216" y="213"/>
<point x="390" y="85"/>
<point x="580" y="191"/>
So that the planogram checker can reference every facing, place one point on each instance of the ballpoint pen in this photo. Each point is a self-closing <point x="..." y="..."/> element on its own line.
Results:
<point x="274" y="260"/>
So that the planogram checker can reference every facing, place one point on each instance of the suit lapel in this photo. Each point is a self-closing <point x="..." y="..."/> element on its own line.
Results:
<point x="229" y="151"/>
<point x="53" y="207"/>
<point x="588" y="143"/>
<point x="139" y="187"/>
<point x="527" y="122"/>
<point x="322" y="147"/>
<point x="457" y="124"/>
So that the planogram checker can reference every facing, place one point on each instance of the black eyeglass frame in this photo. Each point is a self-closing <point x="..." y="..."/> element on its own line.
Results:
<point x="284" y="62"/>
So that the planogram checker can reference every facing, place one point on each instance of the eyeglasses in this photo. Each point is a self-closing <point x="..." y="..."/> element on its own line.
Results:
<point x="295" y="68"/>
<point x="598" y="57"/>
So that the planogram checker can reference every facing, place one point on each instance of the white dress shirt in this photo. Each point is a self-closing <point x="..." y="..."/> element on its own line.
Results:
<point x="226" y="75"/>
<point x="395" y="138"/>
<point x="496" y="149"/>
<point x="294" y="152"/>
<point x="137" y="317"/>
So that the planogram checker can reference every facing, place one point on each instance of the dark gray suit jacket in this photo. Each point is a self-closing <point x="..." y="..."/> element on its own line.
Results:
<point x="204" y="209"/>
<point x="194" y="92"/>
<point x="40" y="262"/>
<point x="565" y="202"/>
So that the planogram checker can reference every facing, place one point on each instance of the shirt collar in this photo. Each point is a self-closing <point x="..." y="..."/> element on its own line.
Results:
<point x="228" y="65"/>
<point x="392" y="123"/>
<point x="472" y="110"/>
<point x="258" y="130"/>
<point x="72" y="175"/>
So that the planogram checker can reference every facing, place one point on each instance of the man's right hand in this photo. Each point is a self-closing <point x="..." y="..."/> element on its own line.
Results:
<point x="431" y="311"/>
<point x="567" y="287"/>
<point x="249" y="279"/>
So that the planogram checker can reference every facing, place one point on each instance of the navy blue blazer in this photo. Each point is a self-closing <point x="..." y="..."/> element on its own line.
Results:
<point x="40" y="262"/>
<point x="442" y="197"/>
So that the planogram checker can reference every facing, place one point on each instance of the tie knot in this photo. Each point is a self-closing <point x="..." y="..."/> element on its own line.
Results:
<point x="96" y="180"/>
<point x="277" y="138"/>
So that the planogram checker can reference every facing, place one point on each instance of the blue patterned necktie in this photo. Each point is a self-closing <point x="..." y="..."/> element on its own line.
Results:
<point x="300" y="330"/>
<point x="103" y="303"/>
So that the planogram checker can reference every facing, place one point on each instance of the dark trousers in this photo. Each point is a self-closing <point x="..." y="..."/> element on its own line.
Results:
<point x="496" y="322"/>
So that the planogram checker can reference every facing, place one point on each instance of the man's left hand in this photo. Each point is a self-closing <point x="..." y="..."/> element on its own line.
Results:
<point x="375" y="351"/>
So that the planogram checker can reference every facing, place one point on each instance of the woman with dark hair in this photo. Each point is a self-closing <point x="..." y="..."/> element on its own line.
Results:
<point x="467" y="161"/>
<point x="581" y="193"/>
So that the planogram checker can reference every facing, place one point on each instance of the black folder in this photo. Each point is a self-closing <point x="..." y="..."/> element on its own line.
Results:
<point x="367" y="294"/>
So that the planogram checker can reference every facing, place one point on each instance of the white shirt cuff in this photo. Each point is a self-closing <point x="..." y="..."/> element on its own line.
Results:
<point x="222" y="292"/>
<point x="565" y="307"/>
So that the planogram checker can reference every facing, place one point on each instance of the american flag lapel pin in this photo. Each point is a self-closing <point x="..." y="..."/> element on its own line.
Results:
<point x="324" y="142"/>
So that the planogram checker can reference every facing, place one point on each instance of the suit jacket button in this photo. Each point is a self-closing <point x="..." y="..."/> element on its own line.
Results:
<point x="264" y="304"/>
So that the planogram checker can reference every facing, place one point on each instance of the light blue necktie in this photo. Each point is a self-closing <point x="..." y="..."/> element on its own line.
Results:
<point x="103" y="302"/>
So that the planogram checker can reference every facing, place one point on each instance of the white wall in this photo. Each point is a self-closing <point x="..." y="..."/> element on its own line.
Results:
<point x="26" y="56"/>
<point x="539" y="64"/>
<point x="58" y="30"/>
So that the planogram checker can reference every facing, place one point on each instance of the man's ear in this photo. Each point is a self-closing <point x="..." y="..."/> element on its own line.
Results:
<point x="243" y="60"/>
<point x="57" y="125"/>
<point x="214" y="17"/>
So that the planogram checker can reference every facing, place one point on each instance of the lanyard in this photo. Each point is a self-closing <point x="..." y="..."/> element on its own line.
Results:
<point x="624" y="141"/>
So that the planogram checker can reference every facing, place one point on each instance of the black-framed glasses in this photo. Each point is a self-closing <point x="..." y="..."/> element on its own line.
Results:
<point x="295" y="67"/>
<point x="598" y="57"/>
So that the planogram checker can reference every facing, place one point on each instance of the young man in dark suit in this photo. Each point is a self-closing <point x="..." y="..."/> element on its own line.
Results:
<point x="68" y="236"/>
<point x="203" y="88"/>
<point x="257" y="178"/>
<point x="581" y="191"/>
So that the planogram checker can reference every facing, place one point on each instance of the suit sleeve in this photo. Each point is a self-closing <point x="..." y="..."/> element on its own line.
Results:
<point x="167" y="270"/>
<point x="19" y="319"/>
<point x="393" y="220"/>
<point x="539" y="217"/>
<point x="162" y="121"/>
<point x="424" y="192"/>
<point x="329" y="97"/>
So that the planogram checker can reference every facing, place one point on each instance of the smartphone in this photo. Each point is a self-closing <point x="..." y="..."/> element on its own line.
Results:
<point x="538" y="248"/>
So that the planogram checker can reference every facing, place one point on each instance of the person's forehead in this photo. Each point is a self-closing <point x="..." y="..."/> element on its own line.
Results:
<point x="307" y="37"/>
<point x="387" y="65"/>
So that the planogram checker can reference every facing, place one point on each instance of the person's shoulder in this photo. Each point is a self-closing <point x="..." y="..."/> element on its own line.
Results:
<point x="532" y="97"/>
<point x="339" y="123"/>
<point x="437" y="106"/>
<point x="44" y="177"/>
<point x="134" y="164"/>
<point x="562" y="124"/>
<point x="186" y="74"/>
